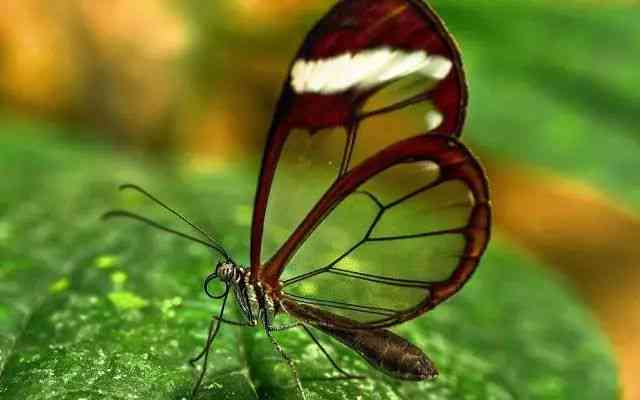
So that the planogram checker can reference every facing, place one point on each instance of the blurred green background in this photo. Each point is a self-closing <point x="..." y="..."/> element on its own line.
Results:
<point x="554" y="110"/>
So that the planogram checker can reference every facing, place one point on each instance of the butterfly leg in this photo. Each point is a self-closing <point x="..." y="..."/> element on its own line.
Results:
<point x="268" y="329"/>
<point x="284" y="327"/>
<point x="207" y="344"/>
<point x="345" y="374"/>
<point x="235" y="323"/>
<point x="214" y="327"/>
<point x="205" y="353"/>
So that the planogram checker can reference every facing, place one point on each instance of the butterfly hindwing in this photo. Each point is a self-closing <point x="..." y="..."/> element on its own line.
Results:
<point x="393" y="237"/>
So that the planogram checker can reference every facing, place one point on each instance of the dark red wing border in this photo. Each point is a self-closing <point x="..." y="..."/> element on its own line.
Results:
<point x="352" y="26"/>
<point x="456" y="163"/>
<point x="356" y="25"/>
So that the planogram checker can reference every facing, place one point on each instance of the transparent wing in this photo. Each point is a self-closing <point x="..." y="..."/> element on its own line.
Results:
<point x="386" y="68"/>
<point x="392" y="238"/>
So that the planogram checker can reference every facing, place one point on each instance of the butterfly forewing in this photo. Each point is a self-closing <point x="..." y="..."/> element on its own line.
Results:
<point x="393" y="237"/>
<point x="308" y="166"/>
<point x="360" y="72"/>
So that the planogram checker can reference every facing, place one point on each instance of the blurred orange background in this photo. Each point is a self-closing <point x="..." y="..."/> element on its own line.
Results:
<point x="200" y="79"/>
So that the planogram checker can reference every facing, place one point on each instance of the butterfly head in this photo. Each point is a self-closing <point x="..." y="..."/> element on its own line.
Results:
<point x="226" y="272"/>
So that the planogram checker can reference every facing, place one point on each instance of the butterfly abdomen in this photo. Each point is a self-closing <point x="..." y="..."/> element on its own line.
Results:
<point x="382" y="348"/>
<point x="387" y="352"/>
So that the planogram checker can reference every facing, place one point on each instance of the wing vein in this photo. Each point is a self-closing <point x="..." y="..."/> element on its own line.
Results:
<point x="344" y="306"/>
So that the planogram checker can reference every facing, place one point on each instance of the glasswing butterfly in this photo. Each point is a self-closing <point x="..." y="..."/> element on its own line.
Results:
<point x="333" y="195"/>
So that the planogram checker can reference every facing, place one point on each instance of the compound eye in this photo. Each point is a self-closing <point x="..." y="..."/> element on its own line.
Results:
<point x="219" y="265"/>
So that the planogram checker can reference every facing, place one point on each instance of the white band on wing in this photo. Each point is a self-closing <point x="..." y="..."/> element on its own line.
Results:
<point x="364" y="70"/>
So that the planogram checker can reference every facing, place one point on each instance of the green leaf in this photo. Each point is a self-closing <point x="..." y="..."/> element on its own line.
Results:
<point x="114" y="310"/>
<point x="553" y="85"/>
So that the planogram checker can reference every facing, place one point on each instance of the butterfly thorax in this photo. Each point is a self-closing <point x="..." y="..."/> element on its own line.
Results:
<point x="252" y="298"/>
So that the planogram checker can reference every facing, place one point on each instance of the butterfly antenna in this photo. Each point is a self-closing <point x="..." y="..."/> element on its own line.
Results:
<point x="127" y="214"/>
<point x="171" y="210"/>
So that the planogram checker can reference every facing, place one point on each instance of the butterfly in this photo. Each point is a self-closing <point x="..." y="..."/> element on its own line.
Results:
<point x="382" y="225"/>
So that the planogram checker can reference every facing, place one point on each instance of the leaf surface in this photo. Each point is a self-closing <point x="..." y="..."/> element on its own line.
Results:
<point x="114" y="310"/>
